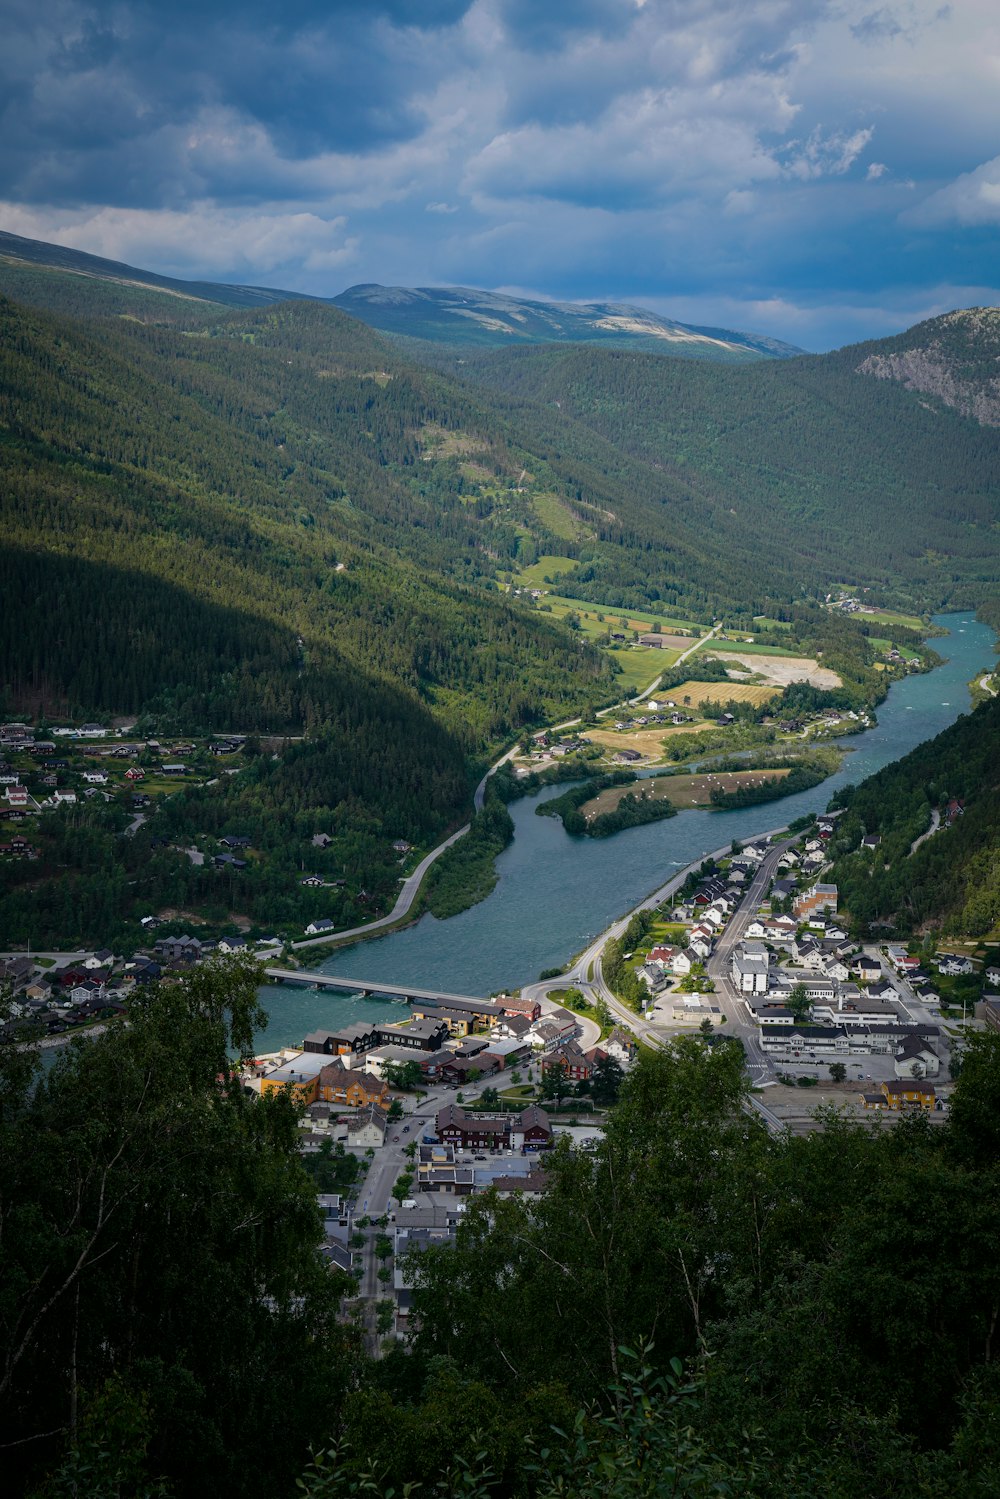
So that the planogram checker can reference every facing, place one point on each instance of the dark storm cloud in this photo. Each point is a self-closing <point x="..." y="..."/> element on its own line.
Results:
<point x="802" y="159"/>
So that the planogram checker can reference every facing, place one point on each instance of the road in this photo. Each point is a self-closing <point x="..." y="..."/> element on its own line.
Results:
<point x="404" y="900"/>
<point x="935" y="824"/>
<point x="586" y="974"/>
<point x="759" y="1065"/>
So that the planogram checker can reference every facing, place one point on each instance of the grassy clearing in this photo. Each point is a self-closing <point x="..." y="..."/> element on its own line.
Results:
<point x="442" y="442"/>
<point x="547" y="566"/>
<point x="682" y="791"/>
<point x="634" y="619"/>
<point x="722" y="643"/>
<point x="640" y="667"/>
<point x="764" y="623"/>
<point x="890" y="617"/>
<point x="557" y="517"/>
<point x="722" y="692"/>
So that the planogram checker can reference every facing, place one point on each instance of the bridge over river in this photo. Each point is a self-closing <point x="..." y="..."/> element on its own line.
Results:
<point x="306" y="980"/>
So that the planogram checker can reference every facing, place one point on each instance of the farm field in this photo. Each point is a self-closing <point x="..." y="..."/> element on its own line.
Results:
<point x="780" y="670"/>
<point x="723" y="692"/>
<point x="682" y="792"/>
<point x="649" y="742"/>
<point x="892" y="617"/>
<point x="635" y="619"/>
<point x="907" y="621"/>
<point x="640" y="666"/>
<point x="535" y="575"/>
<point x="748" y="647"/>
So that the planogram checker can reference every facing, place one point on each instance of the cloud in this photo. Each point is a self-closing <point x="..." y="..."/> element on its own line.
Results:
<point x="205" y="241"/>
<point x="826" y="155"/>
<point x="669" y="149"/>
<point x="972" y="200"/>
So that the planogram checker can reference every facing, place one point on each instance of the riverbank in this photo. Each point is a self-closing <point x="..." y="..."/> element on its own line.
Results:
<point x="555" y="894"/>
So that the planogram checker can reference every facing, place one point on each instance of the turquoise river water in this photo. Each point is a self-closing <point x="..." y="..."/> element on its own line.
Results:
<point x="555" y="893"/>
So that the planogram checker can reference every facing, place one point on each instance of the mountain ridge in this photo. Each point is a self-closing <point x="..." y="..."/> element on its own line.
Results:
<point x="491" y="318"/>
<point x="470" y="315"/>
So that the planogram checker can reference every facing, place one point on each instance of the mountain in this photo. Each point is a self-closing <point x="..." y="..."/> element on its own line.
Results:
<point x="466" y="317"/>
<point x="953" y="359"/>
<point x="224" y="526"/>
<point x="449" y="315"/>
<point x="35" y="252"/>
<point x="812" y="466"/>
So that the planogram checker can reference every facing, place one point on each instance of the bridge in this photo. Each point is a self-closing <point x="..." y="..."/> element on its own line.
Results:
<point x="406" y="992"/>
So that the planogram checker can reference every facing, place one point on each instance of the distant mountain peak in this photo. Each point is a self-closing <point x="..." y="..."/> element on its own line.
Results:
<point x="465" y="315"/>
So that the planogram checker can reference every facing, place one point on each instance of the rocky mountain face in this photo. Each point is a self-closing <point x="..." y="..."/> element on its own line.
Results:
<point x="955" y="358"/>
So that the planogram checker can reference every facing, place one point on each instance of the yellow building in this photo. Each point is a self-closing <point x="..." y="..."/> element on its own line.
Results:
<point x="346" y="1085"/>
<point x="300" y="1076"/>
<point x="905" y="1094"/>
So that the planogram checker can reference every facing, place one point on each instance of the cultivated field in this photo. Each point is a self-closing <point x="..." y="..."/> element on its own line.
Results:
<point x="649" y="742"/>
<point x="671" y="643"/>
<point x="681" y="791"/>
<point x="720" y="692"/>
<point x="781" y="670"/>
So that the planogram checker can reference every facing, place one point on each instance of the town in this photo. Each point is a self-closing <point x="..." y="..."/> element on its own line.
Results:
<point x="402" y="1122"/>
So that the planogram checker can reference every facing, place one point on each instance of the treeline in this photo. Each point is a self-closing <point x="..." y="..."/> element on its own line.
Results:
<point x="619" y="976"/>
<point x="566" y="807"/>
<point x="802" y="776"/>
<point x="952" y="880"/>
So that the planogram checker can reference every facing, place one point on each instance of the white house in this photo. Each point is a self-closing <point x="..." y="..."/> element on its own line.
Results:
<point x="749" y="968"/>
<point x="366" y="1128"/>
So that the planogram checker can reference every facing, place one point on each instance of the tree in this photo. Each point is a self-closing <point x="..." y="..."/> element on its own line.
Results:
<point x="798" y="1003"/>
<point x="385" y="1316"/>
<point x="150" y="1207"/>
<point x="395" y="1110"/>
<point x="403" y="1076"/>
<point x="838" y="1072"/>
<point x="490" y="1097"/>
<point x="555" y="1082"/>
<point x="606" y="1081"/>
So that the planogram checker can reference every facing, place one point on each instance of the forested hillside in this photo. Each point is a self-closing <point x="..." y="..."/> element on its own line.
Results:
<point x="951" y="882"/>
<point x="269" y="521"/>
<point x="823" y="470"/>
<point x="217" y="530"/>
<point x="253" y="467"/>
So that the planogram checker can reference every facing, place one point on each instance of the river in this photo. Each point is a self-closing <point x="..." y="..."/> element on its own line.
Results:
<point x="555" y="893"/>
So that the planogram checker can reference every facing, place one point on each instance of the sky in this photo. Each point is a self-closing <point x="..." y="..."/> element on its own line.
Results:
<point x="819" y="170"/>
